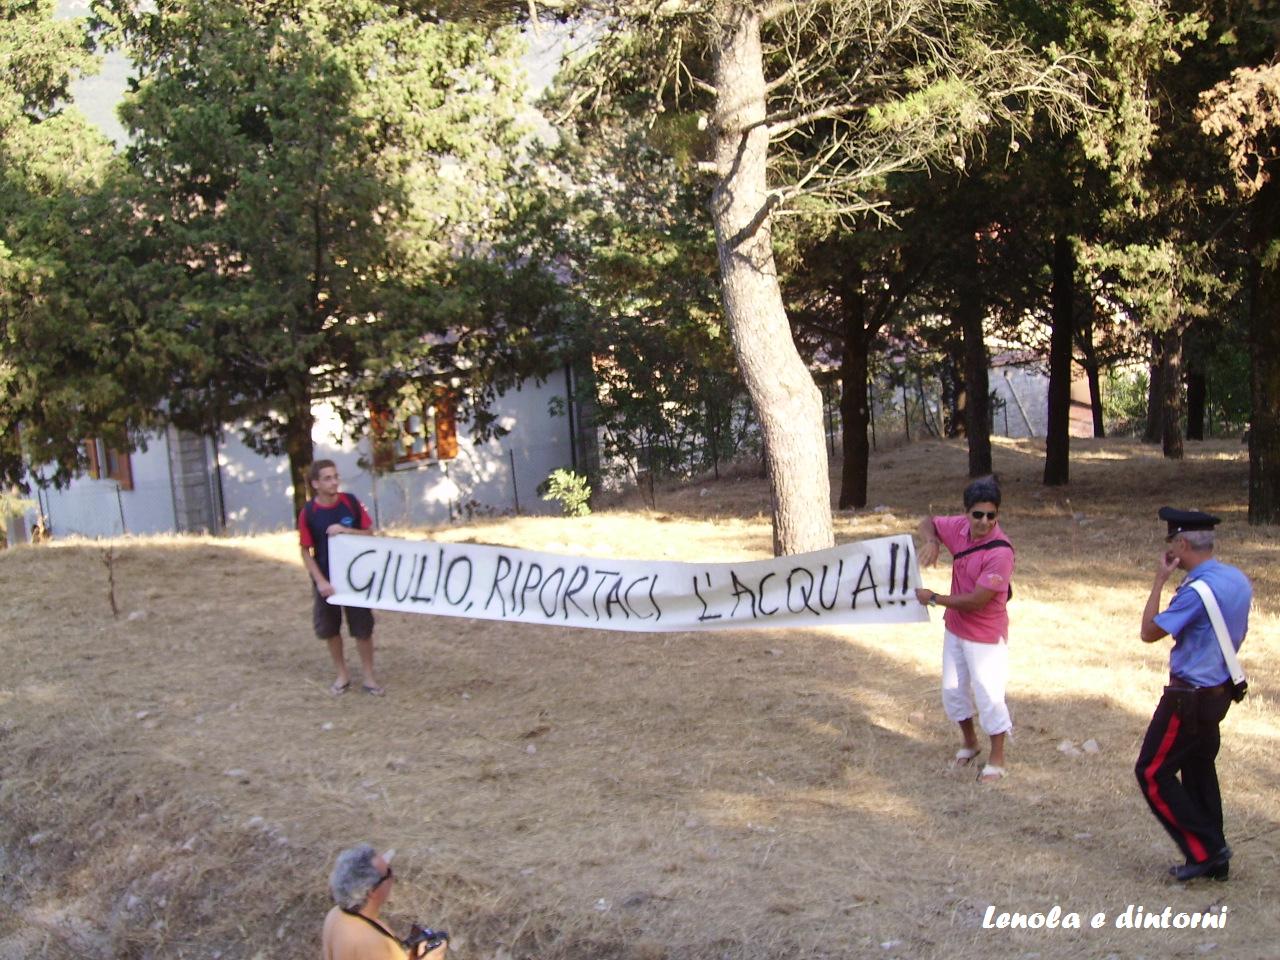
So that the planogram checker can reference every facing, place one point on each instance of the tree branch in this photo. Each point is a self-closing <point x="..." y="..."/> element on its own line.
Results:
<point x="777" y="129"/>
<point x="779" y="8"/>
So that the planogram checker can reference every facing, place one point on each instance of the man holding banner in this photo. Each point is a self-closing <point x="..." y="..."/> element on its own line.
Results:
<point x="332" y="514"/>
<point x="975" y="652"/>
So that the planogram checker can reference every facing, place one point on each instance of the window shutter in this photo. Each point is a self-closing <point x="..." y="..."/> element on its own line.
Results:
<point x="446" y="404"/>
<point x="383" y="439"/>
<point x="121" y="469"/>
<point x="95" y="459"/>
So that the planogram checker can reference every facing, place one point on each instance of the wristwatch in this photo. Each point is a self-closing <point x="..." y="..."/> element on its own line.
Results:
<point x="933" y="598"/>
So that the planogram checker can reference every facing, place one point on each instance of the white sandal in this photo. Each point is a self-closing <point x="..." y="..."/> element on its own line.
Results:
<point x="991" y="773"/>
<point x="964" y="756"/>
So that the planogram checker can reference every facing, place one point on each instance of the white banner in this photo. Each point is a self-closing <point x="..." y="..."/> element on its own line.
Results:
<point x="872" y="581"/>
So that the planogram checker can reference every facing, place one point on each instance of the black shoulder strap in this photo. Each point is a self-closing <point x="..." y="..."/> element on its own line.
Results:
<point x="989" y="545"/>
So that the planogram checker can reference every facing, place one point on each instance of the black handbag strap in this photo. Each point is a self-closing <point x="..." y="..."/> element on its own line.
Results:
<point x="989" y="545"/>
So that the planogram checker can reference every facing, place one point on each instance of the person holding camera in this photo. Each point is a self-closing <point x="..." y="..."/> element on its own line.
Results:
<point x="1183" y="736"/>
<point x="975" y="641"/>
<point x="361" y="882"/>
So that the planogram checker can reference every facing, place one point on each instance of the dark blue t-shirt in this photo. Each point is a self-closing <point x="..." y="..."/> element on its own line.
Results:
<point x="314" y="520"/>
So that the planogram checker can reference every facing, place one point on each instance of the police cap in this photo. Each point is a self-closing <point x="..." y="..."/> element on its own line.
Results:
<point x="1182" y="520"/>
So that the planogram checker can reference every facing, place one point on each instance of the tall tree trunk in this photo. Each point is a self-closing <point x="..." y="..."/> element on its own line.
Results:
<point x="1155" y="391"/>
<point x="856" y="416"/>
<point x="785" y="397"/>
<point x="854" y="411"/>
<point x="1057" y="453"/>
<point x="953" y="395"/>
<point x="1264" y="367"/>
<point x="977" y="411"/>
<point x="300" y="447"/>
<point x="1095" y="399"/>
<point x="1197" y="395"/>
<point x="1171" y="395"/>
<point x="1092" y="368"/>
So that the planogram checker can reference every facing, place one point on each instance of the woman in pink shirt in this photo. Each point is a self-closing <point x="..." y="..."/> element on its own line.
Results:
<point x="975" y="648"/>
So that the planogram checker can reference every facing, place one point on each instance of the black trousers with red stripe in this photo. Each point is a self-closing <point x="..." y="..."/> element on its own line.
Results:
<point x="1183" y="739"/>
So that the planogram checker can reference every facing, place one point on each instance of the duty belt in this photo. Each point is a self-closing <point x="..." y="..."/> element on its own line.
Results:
<point x="1178" y="683"/>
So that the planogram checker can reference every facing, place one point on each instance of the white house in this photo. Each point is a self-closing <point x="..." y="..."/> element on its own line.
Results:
<point x="1020" y="384"/>
<point x="184" y="482"/>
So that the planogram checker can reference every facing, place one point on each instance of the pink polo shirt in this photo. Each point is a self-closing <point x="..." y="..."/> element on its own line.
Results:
<point x="984" y="568"/>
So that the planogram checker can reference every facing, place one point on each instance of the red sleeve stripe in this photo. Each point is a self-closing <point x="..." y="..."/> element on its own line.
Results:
<point x="304" y="531"/>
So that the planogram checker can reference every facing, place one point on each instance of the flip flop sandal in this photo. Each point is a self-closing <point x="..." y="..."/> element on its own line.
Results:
<point x="991" y="774"/>
<point x="374" y="690"/>
<point x="338" y="689"/>
<point x="964" y="756"/>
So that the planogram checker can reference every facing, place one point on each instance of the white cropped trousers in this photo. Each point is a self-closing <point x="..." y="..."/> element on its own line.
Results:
<point x="974" y="676"/>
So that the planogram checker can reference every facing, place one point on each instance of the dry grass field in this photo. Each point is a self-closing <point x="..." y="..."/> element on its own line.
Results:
<point x="174" y="782"/>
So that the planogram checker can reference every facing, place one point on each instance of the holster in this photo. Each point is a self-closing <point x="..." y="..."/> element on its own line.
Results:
<point x="1186" y="706"/>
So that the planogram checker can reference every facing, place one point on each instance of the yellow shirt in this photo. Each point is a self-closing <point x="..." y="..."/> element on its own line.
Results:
<point x="352" y="938"/>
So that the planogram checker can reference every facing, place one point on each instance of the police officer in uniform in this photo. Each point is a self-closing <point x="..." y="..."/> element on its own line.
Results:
<point x="1176" y="769"/>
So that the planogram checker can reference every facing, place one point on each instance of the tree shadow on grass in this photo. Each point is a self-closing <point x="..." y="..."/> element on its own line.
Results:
<point x="578" y="793"/>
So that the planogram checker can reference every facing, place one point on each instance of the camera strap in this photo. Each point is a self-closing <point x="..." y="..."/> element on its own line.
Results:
<point x="1220" y="628"/>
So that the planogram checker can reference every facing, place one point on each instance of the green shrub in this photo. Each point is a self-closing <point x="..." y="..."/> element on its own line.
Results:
<point x="1124" y="402"/>
<point x="570" y="489"/>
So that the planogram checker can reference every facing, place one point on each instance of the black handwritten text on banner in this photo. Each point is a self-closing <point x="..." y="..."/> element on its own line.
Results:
<point x="872" y="581"/>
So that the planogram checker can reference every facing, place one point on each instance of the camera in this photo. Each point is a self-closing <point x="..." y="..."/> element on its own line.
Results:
<point x="426" y="936"/>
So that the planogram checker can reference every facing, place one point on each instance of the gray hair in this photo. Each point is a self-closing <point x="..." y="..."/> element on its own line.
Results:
<point x="354" y="876"/>
<point x="1200" y="541"/>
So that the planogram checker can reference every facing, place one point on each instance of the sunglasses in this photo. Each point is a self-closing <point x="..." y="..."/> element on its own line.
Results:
<point x="979" y="514"/>
<point x="382" y="879"/>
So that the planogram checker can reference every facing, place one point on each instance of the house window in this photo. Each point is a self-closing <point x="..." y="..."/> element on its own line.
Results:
<point x="420" y="429"/>
<point x="108" y="463"/>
